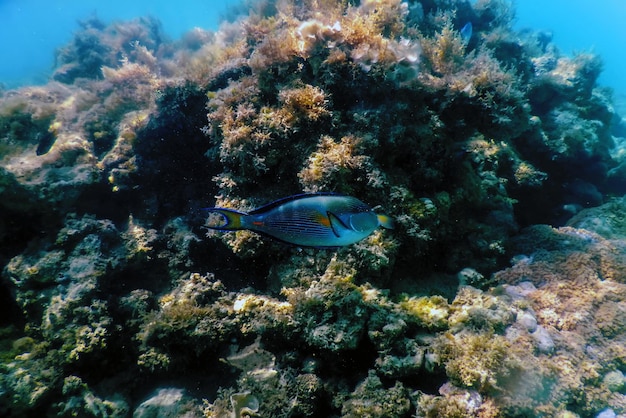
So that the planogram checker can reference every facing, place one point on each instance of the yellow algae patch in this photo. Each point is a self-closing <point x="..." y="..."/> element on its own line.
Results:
<point x="68" y="103"/>
<point x="431" y="311"/>
<point x="247" y="303"/>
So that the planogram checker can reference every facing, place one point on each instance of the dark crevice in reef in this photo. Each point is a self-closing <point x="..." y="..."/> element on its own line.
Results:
<point x="100" y="201"/>
<point x="227" y="76"/>
<point x="428" y="383"/>
<point x="152" y="278"/>
<point x="18" y="229"/>
<point x="219" y="260"/>
<point x="10" y="313"/>
<point x="102" y="133"/>
<point x="351" y="367"/>
<point x="173" y="174"/>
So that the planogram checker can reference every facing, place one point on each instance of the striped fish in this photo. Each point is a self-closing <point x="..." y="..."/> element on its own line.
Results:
<point x="307" y="220"/>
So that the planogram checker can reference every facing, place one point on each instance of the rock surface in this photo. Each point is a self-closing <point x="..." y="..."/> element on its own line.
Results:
<point x="115" y="299"/>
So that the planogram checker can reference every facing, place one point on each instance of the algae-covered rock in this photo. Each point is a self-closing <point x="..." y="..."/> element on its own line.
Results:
<point x="115" y="297"/>
<point x="168" y="402"/>
<point x="456" y="402"/>
<point x="372" y="399"/>
<point x="83" y="402"/>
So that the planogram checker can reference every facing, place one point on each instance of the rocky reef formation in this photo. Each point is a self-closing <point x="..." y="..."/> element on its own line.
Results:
<point x="116" y="301"/>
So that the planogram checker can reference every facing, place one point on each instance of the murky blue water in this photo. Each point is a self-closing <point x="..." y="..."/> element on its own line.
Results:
<point x="31" y="30"/>
<point x="582" y="26"/>
<point x="35" y="28"/>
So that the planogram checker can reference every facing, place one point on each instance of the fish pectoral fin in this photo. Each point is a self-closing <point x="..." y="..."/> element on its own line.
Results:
<point x="335" y="223"/>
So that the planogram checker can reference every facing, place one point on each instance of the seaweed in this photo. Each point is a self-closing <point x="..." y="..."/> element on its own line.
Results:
<point x="119" y="299"/>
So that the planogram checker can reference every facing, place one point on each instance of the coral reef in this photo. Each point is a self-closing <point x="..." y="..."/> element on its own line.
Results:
<point x="499" y="293"/>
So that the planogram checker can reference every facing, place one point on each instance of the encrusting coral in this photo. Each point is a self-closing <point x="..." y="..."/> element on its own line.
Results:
<point x="116" y="300"/>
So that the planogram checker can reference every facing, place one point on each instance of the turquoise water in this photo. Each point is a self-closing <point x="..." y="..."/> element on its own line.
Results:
<point x="37" y="28"/>
<point x="583" y="26"/>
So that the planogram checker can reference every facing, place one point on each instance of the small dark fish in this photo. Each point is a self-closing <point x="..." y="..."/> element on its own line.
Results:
<point x="308" y="220"/>
<point x="46" y="141"/>
<point x="466" y="32"/>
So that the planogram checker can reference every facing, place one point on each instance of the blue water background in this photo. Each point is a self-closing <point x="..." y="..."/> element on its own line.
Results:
<point x="584" y="26"/>
<point x="30" y="30"/>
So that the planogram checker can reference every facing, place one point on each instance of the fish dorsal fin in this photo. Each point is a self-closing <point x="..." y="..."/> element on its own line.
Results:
<point x="336" y="223"/>
<point x="279" y="202"/>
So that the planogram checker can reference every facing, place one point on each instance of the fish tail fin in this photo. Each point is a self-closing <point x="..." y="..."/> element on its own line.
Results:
<point x="224" y="219"/>
<point x="385" y="221"/>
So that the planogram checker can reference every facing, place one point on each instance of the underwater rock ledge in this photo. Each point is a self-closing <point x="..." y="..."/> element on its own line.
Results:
<point x="487" y="299"/>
